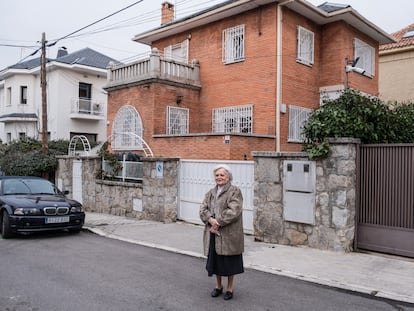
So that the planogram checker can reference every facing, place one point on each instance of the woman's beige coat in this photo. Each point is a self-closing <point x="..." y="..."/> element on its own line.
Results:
<point x="229" y="209"/>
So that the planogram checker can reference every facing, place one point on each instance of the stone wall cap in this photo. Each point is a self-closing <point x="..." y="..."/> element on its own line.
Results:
<point x="343" y="140"/>
<point x="91" y="157"/>
<point x="162" y="159"/>
<point x="273" y="154"/>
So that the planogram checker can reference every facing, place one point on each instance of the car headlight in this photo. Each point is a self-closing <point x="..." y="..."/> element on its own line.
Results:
<point x="76" y="209"/>
<point x="26" y="211"/>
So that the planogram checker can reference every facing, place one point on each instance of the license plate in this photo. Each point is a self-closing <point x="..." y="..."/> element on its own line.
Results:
<point x="56" y="220"/>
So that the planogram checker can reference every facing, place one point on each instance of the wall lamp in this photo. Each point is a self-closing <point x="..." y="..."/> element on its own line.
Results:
<point x="179" y="98"/>
<point x="350" y="66"/>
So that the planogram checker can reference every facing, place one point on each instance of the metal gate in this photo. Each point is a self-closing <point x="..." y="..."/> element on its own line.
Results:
<point x="196" y="178"/>
<point x="385" y="214"/>
<point x="77" y="181"/>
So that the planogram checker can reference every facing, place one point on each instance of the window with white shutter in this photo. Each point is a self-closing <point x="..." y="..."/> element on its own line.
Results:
<point x="305" y="51"/>
<point x="177" y="52"/>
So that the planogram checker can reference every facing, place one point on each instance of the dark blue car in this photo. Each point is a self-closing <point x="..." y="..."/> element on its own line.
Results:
<point x="31" y="204"/>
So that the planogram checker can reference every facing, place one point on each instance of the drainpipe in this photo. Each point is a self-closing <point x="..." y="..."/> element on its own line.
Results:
<point x="279" y="70"/>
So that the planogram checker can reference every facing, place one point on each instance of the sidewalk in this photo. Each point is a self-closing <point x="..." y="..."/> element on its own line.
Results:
<point x="379" y="275"/>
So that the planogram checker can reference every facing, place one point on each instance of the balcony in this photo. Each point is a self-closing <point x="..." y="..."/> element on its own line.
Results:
<point x="153" y="68"/>
<point x="84" y="108"/>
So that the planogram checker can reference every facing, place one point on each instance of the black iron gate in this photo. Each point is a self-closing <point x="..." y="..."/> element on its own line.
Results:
<point x="385" y="216"/>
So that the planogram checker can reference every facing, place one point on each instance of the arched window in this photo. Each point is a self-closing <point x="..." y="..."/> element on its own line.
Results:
<point x="127" y="126"/>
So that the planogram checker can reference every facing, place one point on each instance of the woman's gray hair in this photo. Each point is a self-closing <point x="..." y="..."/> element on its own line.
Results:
<point x="226" y="168"/>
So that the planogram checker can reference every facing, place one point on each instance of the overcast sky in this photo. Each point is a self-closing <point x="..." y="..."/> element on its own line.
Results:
<point x="22" y="23"/>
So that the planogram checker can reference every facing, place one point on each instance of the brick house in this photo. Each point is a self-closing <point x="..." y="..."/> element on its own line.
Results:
<point x="396" y="63"/>
<point x="238" y="77"/>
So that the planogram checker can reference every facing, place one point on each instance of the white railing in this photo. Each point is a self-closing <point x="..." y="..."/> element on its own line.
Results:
<point x="87" y="106"/>
<point x="130" y="170"/>
<point x="154" y="67"/>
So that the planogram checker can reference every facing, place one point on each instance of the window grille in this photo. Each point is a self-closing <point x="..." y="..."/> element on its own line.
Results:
<point x="127" y="127"/>
<point x="233" y="44"/>
<point x="366" y="54"/>
<point x="298" y="116"/>
<point x="236" y="119"/>
<point x="177" y="120"/>
<point x="305" y="52"/>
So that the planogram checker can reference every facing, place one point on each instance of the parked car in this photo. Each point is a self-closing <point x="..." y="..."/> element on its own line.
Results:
<point x="31" y="204"/>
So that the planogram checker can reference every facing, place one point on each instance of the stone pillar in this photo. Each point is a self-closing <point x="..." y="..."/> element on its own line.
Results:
<point x="196" y="72"/>
<point x="155" y="63"/>
<point x="160" y="189"/>
<point x="335" y="204"/>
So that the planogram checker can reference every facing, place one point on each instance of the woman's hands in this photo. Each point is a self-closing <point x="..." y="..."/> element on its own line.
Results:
<point x="215" y="227"/>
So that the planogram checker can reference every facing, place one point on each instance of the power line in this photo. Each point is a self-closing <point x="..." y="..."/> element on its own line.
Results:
<point x="91" y="24"/>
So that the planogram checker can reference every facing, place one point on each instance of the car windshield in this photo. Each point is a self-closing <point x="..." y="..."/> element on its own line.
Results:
<point x="28" y="186"/>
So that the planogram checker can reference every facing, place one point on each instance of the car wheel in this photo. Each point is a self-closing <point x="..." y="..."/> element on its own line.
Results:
<point x="5" y="226"/>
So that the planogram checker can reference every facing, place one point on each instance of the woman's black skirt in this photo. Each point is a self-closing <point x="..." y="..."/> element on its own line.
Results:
<point x="222" y="265"/>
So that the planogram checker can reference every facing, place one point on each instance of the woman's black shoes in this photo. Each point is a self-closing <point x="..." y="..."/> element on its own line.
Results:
<point x="228" y="295"/>
<point x="217" y="292"/>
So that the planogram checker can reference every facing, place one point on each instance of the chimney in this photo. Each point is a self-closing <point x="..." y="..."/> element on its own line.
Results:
<point x="62" y="52"/>
<point x="167" y="12"/>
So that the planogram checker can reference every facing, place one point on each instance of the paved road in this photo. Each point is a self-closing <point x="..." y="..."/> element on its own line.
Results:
<point x="65" y="272"/>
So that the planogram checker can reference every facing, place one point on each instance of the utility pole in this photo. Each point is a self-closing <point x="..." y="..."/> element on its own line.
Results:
<point x="44" y="99"/>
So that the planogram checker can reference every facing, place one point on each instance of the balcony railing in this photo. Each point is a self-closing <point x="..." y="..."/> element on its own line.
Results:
<point x="154" y="67"/>
<point x="86" y="108"/>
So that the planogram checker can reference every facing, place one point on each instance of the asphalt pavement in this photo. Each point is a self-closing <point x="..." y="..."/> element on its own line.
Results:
<point x="376" y="274"/>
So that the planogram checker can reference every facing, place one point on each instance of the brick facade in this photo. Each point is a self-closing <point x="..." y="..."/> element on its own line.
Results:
<point x="249" y="82"/>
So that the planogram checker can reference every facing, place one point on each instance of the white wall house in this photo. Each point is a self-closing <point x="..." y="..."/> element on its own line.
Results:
<point x="76" y="101"/>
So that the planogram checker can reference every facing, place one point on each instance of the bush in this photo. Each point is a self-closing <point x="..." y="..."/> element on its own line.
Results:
<point x="25" y="157"/>
<point x="358" y="116"/>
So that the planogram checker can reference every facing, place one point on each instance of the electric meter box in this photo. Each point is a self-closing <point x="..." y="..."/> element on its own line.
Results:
<point x="299" y="191"/>
<point x="300" y="176"/>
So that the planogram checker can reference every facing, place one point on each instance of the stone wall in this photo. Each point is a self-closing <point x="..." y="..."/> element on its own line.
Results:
<point x="335" y="199"/>
<point x="154" y="199"/>
<point x="157" y="197"/>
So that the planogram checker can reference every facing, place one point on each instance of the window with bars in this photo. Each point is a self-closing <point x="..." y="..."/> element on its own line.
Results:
<point x="305" y="52"/>
<point x="233" y="44"/>
<point x="236" y="119"/>
<point x="177" y="120"/>
<point x="366" y="55"/>
<point x="127" y="130"/>
<point x="298" y="116"/>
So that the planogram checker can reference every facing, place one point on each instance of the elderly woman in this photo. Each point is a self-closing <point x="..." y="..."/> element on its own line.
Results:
<point x="221" y="212"/>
